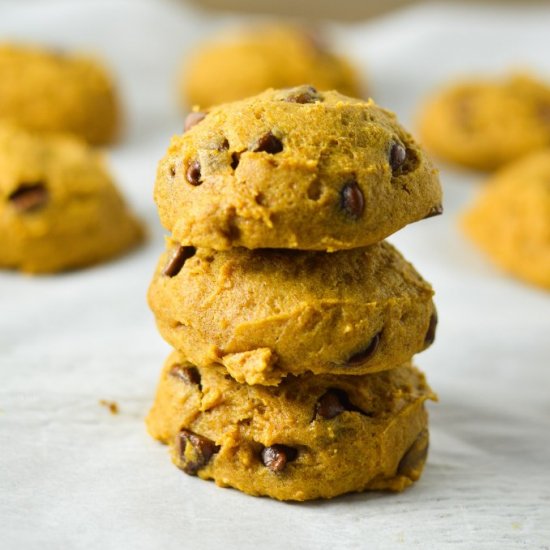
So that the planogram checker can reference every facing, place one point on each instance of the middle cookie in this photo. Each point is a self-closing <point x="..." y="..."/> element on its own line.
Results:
<point x="265" y="314"/>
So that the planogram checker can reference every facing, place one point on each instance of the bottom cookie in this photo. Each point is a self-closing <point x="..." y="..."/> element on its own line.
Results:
<point x="314" y="436"/>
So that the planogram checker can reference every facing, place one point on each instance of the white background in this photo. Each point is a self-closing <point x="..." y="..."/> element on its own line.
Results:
<point x="74" y="476"/>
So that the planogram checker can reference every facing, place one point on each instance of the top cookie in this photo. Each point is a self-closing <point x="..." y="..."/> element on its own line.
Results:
<point x="485" y="124"/>
<point x="53" y="92"/>
<point x="294" y="168"/>
<point x="270" y="56"/>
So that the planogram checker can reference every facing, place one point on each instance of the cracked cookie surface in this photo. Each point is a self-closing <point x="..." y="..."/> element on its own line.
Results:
<point x="59" y="208"/>
<point x="49" y="91"/>
<point x="269" y="56"/>
<point x="265" y="314"/>
<point x="294" y="168"/>
<point x="311" y="437"/>
<point x="485" y="124"/>
<point x="510" y="220"/>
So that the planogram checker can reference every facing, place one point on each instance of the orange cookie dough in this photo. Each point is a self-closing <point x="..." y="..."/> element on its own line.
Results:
<point x="59" y="208"/>
<point x="510" y="220"/>
<point x="487" y="123"/>
<point x="265" y="314"/>
<point x="268" y="56"/>
<point x="311" y="437"/>
<point x="54" y="92"/>
<point x="294" y="168"/>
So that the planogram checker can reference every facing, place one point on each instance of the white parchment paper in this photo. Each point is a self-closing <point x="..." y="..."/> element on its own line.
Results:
<point x="74" y="476"/>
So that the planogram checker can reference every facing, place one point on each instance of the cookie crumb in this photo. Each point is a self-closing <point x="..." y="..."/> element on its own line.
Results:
<point x="111" y="405"/>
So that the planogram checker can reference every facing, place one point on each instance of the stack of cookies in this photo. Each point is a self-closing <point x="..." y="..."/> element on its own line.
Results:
<point x="293" y="322"/>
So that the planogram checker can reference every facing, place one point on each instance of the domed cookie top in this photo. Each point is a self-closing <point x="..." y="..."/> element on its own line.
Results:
<point x="269" y="56"/>
<point x="510" y="220"/>
<point x="311" y="437"/>
<point x="54" y="92"/>
<point x="486" y="124"/>
<point x="265" y="314"/>
<point x="294" y="168"/>
<point x="59" y="208"/>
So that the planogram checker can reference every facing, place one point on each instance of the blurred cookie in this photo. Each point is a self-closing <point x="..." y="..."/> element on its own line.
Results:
<point x="265" y="314"/>
<point x="53" y="92"/>
<point x="510" y="219"/>
<point x="311" y="437"/>
<point x="272" y="56"/>
<point x="59" y="208"/>
<point x="294" y="168"/>
<point x="485" y="124"/>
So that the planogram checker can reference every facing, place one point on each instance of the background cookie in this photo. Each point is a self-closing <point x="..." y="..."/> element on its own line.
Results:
<point x="311" y="437"/>
<point x="485" y="124"/>
<point x="265" y="314"/>
<point x="59" y="208"/>
<point x="510" y="220"/>
<point x="268" y="56"/>
<point x="55" y="92"/>
<point x="294" y="169"/>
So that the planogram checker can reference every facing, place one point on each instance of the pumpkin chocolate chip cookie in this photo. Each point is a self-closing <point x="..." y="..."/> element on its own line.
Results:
<point x="265" y="314"/>
<point x="311" y="437"/>
<point x="59" y="208"/>
<point x="294" y="168"/>
<point x="268" y="56"/>
<point x="485" y="124"/>
<point x="510" y="220"/>
<point x="53" y="92"/>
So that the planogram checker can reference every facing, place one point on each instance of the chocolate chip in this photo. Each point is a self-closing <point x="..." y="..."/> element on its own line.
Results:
<point x="305" y="94"/>
<point x="194" y="173"/>
<point x="330" y="404"/>
<point x="335" y="402"/>
<point x="434" y="211"/>
<point x="352" y="200"/>
<point x="415" y="456"/>
<point x="190" y="375"/>
<point x="398" y="155"/>
<point x="270" y="144"/>
<point x="172" y="170"/>
<point x="430" y="335"/>
<point x="178" y="259"/>
<point x="29" y="196"/>
<point x="276" y="457"/>
<point x="192" y="119"/>
<point x="195" y="451"/>
<point x="235" y="159"/>
<point x="364" y="355"/>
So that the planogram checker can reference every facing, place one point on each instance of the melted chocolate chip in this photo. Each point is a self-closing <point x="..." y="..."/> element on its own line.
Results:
<point x="335" y="402"/>
<point x="276" y="457"/>
<point x="352" y="200"/>
<point x="269" y="144"/>
<point x="178" y="259"/>
<point x="192" y="119"/>
<point x="190" y="375"/>
<point x="195" y="451"/>
<point x="330" y="404"/>
<point x="364" y="355"/>
<point x="398" y="155"/>
<point x="303" y="95"/>
<point x="194" y="173"/>
<point x="434" y="211"/>
<point x="430" y="334"/>
<point x="29" y="196"/>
